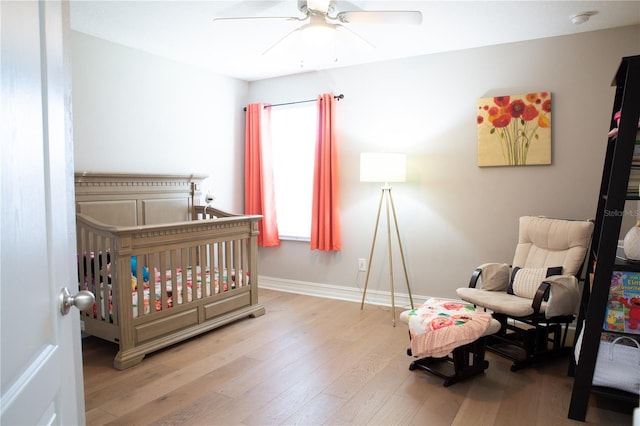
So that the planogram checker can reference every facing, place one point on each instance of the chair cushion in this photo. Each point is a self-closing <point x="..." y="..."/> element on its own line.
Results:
<point x="495" y="276"/>
<point x="525" y="281"/>
<point x="563" y="300"/>
<point x="497" y="301"/>
<point x="544" y="242"/>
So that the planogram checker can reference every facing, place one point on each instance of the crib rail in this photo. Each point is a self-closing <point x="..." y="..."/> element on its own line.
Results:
<point x="208" y="212"/>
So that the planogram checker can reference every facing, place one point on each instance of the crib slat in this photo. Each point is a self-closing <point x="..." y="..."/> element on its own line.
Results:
<point x="113" y="297"/>
<point x="141" y="310"/>
<point x="232" y="263"/>
<point x="202" y="267"/>
<point x="151" y="283"/>
<point x="94" y="250"/>
<point x="82" y="264"/>
<point x="193" y="264"/>
<point x="95" y="287"/>
<point x="162" y="273"/>
<point x="171" y="267"/>
<point x="185" y="288"/>
<point x="211" y="268"/>
<point x="185" y="265"/>
<point x="220" y="267"/>
<point x="150" y="266"/>
<point x="101" y="263"/>
<point x="228" y="250"/>
<point x="245" y="263"/>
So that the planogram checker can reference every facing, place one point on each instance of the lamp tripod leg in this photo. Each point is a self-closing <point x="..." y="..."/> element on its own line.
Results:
<point x="404" y="264"/>
<point x="373" y="244"/>
<point x="393" y="292"/>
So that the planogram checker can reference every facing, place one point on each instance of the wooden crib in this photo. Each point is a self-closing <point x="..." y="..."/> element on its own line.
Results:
<point x="162" y="268"/>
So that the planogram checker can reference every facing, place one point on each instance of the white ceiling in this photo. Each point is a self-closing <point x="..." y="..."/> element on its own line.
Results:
<point x="185" y="30"/>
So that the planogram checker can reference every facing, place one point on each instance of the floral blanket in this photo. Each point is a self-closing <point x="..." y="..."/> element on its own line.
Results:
<point x="438" y="326"/>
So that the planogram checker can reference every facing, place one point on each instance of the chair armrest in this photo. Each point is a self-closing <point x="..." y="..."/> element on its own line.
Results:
<point x="496" y="276"/>
<point x="474" y="277"/>
<point x="564" y="296"/>
<point x="541" y="294"/>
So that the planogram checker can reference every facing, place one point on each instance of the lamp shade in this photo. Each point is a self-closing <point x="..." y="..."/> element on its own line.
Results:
<point x="383" y="167"/>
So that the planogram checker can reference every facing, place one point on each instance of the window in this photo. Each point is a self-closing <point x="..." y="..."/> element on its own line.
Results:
<point x="293" y="143"/>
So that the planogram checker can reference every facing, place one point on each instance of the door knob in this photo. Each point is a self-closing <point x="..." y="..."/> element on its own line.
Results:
<point x="83" y="300"/>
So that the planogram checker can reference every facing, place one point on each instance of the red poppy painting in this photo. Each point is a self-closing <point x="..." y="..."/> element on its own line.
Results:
<point x="514" y="130"/>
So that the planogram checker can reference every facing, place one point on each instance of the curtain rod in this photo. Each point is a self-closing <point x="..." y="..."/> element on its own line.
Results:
<point x="336" y="97"/>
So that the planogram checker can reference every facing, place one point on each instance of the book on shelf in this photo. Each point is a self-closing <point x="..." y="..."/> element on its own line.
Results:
<point x="623" y="305"/>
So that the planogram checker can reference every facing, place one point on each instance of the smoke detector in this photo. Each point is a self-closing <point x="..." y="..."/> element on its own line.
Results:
<point x="581" y="18"/>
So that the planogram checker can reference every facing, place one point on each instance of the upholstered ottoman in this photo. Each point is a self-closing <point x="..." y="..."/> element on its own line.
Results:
<point x="448" y="338"/>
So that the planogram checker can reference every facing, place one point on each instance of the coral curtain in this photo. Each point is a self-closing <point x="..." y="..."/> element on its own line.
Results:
<point x="259" y="195"/>
<point x="325" y="219"/>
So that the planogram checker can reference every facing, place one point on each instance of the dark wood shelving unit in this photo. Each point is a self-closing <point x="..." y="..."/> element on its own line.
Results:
<point x="604" y="257"/>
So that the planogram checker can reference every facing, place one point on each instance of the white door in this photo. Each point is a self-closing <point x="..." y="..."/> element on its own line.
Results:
<point x="41" y="360"/>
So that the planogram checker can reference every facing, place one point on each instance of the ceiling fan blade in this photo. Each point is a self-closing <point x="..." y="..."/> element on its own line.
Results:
<point x="409" y="17"/>
<point x="262" y="18"/>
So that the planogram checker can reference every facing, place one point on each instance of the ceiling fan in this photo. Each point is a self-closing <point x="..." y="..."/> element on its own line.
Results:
<point x="320" y="20"/>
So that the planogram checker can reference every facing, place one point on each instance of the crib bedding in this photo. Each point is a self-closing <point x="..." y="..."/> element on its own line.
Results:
<point x="155" y="298"/>
<point x="200" y="289"/>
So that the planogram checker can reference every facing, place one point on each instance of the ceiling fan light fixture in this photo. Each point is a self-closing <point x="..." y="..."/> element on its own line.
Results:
<point x="321" y="6"/>
<point x="318" y="34"/>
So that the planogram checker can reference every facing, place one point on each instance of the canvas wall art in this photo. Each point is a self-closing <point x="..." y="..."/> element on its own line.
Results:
<point x="514" y="130"/>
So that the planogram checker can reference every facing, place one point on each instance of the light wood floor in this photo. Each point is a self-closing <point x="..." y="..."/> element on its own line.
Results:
<point x="317" y="361"/>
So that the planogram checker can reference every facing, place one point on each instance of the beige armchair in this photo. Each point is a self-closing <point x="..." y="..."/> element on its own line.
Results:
<point x="536" y="297"/>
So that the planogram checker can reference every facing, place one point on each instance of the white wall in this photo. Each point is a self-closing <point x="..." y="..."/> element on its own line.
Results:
<point x="136" y="112"/>
<point x="452" y="214"/>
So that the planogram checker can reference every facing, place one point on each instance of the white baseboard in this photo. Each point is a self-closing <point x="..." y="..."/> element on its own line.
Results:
<point x="330" y="291"/>
<point x="350" y="294"/>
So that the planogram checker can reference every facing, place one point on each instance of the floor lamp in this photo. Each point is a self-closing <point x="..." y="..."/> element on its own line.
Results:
<point x="385" y="168"/>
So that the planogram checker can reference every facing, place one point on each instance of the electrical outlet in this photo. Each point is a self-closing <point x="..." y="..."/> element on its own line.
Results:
<point x="362" y="264"/>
